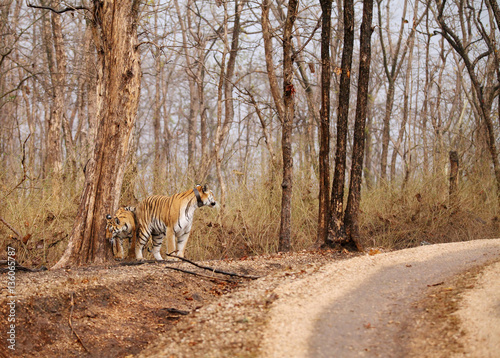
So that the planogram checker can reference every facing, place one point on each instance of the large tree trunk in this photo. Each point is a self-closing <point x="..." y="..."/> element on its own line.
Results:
<point x="335" y="225"/>
<point x="118" y="88"/>
<point x="324" y="131"/>
<point x="286" y="133"/>
<point x="353" y="201"/>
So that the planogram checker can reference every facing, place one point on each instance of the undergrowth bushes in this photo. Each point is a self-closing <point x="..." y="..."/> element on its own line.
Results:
<point x="391" y="217"/>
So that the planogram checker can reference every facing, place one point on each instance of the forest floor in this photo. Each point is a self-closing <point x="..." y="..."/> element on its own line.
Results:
<point x="154" y="310"/>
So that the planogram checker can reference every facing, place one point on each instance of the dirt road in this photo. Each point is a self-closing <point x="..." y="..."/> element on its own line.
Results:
<point x="436" y="301"/>
<point x="366" y="306"/>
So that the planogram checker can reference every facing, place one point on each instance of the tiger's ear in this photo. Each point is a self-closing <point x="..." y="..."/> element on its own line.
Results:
<point x="108" y="217"/>
<point x="130" y="208"/>
<point x="205" y="188"/>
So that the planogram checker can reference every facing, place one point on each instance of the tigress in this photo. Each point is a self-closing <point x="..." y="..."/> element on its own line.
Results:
<point x="119" y="227"/>
<point x="172" y="216"/>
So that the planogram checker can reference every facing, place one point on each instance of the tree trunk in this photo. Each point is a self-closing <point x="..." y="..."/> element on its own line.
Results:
<point x="56" y="58"/>
<point x="226" y="85"/>
<point x="157" y="164"/>
<point x="286" y="133"/>
<point x="324" y="131"/>
<point x="352" y="209"/>
<point x="268" y="50"/>
<point x="335" y="225"/>
<point x="184" y="22"/>
<point x="118" y="89"/>
<point x="454" y="163"/>
<point x="386" y="135"/>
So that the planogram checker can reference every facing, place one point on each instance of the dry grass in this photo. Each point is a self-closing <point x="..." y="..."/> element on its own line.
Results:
<point x="422" y="213"/>
<point x="43" y="219"/>
<point x="391" y="217"/>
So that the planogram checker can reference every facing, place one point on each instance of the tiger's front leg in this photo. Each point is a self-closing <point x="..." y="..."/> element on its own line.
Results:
<point x="181" y="244"/>
<point x="131" y="246"/>
<point x="121" y="254"/>
<point x="171" y="242"/>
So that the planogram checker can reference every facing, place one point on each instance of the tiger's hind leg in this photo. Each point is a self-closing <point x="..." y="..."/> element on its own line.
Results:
<point x="157" y="241"/>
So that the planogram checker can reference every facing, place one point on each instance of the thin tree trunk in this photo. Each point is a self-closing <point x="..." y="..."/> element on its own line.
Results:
<point x="157" y="165"/>
<point x="386" y="136"/>
<point x="268" y="50"/>
<point x="193" y="92"/>
<point x="335" y="226"/>
<point x="220" y="129"/>
<point x="406" y="113"/>
<point x="354" y="199"/>
<point x="286" y="133"/>
<point x="56" y="58"/>
<point x="227" y="86"/>
<point x="454" y="163"/>
<point x="118" y="88"/>
<point x="324" y="129"/>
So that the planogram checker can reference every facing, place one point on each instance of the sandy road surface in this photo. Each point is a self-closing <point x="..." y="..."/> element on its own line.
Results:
<point x="359" y="307"/>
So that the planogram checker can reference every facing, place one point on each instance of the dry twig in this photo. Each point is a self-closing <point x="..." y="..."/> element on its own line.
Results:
<point x="71" y="324"/>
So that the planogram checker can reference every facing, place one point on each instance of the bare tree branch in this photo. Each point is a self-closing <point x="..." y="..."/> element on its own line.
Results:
<point x="72" y="8"/>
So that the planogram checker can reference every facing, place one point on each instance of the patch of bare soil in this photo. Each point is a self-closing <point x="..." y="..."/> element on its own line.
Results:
<point x="118" y="311"/>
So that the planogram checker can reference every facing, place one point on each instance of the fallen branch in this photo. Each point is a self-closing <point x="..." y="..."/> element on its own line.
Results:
<point x="177" y="311"/>
<point x="212" y="269"/>
<point x="19" y="267"/>
<point x="71" y="324"/>
<point x="232" y="274"/>
<point x="196" y="273"/>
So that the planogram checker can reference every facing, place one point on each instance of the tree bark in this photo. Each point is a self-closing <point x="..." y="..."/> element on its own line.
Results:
<point x="454" y="163"/>
<point x="335" y="226"/>
<point x="286" y="133"/>
<point x="118" y="87"/>
<point x="324" y="131"/>
<point x="56" y="58"/>
<point x="268" y="50"/>
<point x="352" y="209"/>
<point x="157" y="163"/>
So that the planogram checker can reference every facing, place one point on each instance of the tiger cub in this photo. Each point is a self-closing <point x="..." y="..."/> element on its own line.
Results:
<point x="119" y="227"/>
<point x="159" y="216"/>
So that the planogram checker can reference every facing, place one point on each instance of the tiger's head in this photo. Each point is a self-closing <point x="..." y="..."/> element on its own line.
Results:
<point x="121" y="226"/>
<point x="204" y="196"/>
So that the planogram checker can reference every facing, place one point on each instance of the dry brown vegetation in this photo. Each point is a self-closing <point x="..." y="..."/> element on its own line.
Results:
<point x="392" y="217"/>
